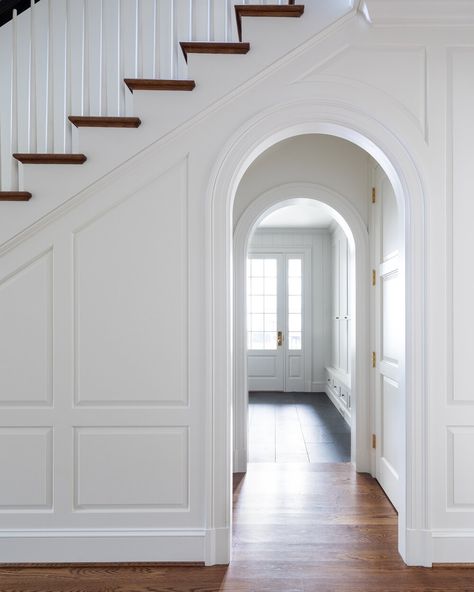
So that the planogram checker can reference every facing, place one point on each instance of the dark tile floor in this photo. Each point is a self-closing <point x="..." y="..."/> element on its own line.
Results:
<point x="296" y="427"/>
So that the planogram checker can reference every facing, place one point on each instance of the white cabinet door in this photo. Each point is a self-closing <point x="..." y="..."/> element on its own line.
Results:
<point x="388" y="335"/>
<point x="276" y="313"/>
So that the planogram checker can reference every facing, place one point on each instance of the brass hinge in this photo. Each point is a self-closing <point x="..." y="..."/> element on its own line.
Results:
<point x="374" y="360"/>
<point x="374" y="277"/>
<point x="374" y="441"/>
<point x="374" y="195"/>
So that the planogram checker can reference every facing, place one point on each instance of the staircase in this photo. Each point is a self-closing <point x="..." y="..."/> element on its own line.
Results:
<point x="138" y="100"/>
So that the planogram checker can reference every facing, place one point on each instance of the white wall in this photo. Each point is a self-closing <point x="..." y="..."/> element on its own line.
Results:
<point x="318" y="241"/>
<point x="140" y="209"/>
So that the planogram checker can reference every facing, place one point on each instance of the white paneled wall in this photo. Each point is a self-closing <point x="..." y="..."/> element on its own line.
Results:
<point x="318" y="240"/>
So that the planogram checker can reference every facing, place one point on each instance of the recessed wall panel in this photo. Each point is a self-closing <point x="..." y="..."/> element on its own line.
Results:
<point x="131" y="468"/>
<point x="26" y="334"/>
<point x="461" y="72"/>
<point x="461" y="466"/>
<point x="392" y="317"/>
<point x="392" y="422"/>
<point x="261" y="366"/>
<point x="131" y="300"/>
<point x="25" y="468"/>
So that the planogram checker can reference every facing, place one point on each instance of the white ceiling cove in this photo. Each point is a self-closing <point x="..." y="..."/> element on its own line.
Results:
<point x="316" y="215"/>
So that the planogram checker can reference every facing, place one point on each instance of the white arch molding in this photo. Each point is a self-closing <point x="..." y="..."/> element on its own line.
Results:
<point x="354" y="227"/>
<point x="399" y="159"/>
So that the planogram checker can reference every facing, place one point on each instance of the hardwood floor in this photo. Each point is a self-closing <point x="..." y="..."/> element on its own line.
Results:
<point x="296" y="427"/>
<point x="316" y="527"/>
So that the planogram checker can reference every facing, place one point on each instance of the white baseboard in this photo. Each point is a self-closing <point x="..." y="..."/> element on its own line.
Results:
<point x="419" y="548"/>
<point x="101" y="546"/>
<point x="239" y="461"/>
<point x="452" y="546"/>
<point x="318" y="387"/>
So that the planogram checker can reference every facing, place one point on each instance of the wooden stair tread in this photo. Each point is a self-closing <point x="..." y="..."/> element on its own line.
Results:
<point x="96" y="121"/>
<point x="158" y="84"/>
<point x="44" y="158"/>
<point x="268" y="10"/>
<point x="15" y="196"/>
<point x="213" y="47"/>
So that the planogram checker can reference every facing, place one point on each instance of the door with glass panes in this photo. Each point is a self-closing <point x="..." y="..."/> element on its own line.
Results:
<point x="275" y="340"/>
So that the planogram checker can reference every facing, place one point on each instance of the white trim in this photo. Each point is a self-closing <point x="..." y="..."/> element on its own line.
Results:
<point x="318" y="387"/>
<point x="342" y="410"/>
<point x="452" y="546"/>
<point x="395" y="149"/>
<point x="98" y="546"/>
<point x="418" y="12"/>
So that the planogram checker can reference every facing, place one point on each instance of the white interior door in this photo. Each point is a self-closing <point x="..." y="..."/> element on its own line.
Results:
<point x="275" y="322"/>
<point x="388" y="336"/>
<point x="265" y="314"/>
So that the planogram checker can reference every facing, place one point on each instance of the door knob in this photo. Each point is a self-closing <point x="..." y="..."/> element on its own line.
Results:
<point x="280" y="338"/>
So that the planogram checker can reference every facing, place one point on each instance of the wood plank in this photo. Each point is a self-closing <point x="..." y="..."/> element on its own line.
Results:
<point x="50" y="158"/>
<point x="213" y="47"/>
<point x="266" y="10"/>
<point x="89" y="121"/>
<point x="161" y="84"/>
<point x="15" y="196"/>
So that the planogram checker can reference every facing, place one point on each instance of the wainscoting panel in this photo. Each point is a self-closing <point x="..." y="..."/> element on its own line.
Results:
<point x="26" y="334"/>
<point x="26" y="468"/>
<point x="131" y="301"/>
<point x="131" y="468"/>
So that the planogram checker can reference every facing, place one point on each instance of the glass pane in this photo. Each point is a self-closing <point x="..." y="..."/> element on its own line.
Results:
<point x="294" y="340"/>
<point x="257" y="340"/>
<point x="270" y="285"/>
<point x="256" y="285"/>
<point x="294" y="267"/>
<point x="261" y="304"/>
<point x="270" y="267"/>
<point x="270" y="340"/>
<point x="256" y="323"/>
<point x="294" y="304"/>
<point x="256" y="304"/>
<point x="257" y="268"/>
<point x="294" y="322"/>
<point x="270" y="322"/>
<point x="270" y="304"/>
<point x="294" y="286"/>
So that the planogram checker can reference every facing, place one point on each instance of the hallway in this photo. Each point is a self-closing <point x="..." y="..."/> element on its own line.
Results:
<point x="297" y="528"/>
<point x="296" y="427"/>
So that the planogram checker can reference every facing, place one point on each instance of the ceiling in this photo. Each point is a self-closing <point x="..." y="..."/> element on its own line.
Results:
<point x="313" y="215"/>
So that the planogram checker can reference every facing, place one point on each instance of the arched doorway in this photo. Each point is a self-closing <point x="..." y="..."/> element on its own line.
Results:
<point x="400" y="166"/>
<point x="349" y="219"/>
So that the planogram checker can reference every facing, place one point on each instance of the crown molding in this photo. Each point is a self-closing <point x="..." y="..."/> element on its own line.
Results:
<point x="418" y="12"/>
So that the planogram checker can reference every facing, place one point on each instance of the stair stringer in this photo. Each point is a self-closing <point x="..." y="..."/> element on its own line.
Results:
<point x="219" y="79"/>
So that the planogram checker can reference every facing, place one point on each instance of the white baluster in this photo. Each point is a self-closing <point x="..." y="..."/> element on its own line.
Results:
<point x="173" y="51"/>
<point x="85" y="61"/>
<point x="14" y="104"/>
<point x="120" y="68"/>
<point x="137" y="39"/>
<point x="191" y="21"/>
<point x="67" y="78"/>
<point x="103" y="63"/>
<point x="156" y="39"/>
<point x="209" y="20"/>
<point x="49" y="128"/>
<point x="32" y="132"/>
